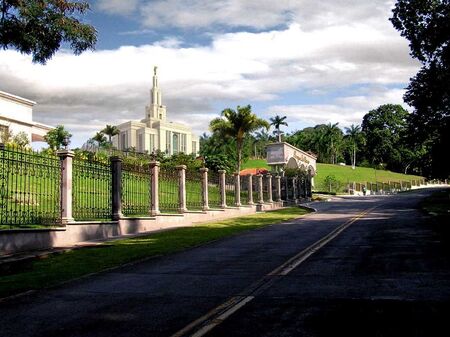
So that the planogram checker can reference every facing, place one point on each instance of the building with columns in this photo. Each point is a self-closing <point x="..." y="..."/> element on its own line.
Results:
<point x="16" y="116"/>
<point x="155" y="132"/>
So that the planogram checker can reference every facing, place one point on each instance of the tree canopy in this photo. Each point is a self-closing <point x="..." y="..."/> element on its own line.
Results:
<point x="384" y="128"/>
<point x="56" y="137"/>
<point x="276" y="122"/>
<point x="237" y="125"/>
<point x="426" y="24"/>
<point x="39" y="27"/>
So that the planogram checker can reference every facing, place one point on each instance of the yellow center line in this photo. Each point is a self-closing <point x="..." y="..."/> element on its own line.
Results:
<point x="220" y="313"/>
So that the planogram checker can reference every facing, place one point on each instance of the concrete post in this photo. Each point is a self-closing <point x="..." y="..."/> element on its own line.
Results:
<point x="294" y="189"/>
<point x="250" y="190"/>
<point x="278" y="185"/>
<point x="181" y="188"/>
<point x="260" y="189"/>
<point x="237" y="190"/>
<point x="154" y="171"/>
<point x="269" y="186"/>
<point x="204" y="172"/>
<point x="116" y="171"/>
<point x="66" y="158"/>
<point x="223" y="195"/>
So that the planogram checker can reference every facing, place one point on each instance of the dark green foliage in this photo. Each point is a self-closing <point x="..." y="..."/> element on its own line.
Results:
<point x="384" y="128"/>
<point x="426" y="24"/>
<point x="110" y="131"/>
<point x="276" y="122"/>
<point x="326" y="141"/>
<point x="39" y="27"/>
<point x="237" y="125"/>
<point x="55" y="138"/>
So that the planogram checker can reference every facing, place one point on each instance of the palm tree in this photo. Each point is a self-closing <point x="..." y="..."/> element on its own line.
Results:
<point x="110" y="131"/>
<point x="332" y="137"/>
<point x="354" y="134"/>
<point x="277" y="121"/>
<point x="261" y="138"/>
<point x="237" y="124"/>
<point x="100" y="139"/>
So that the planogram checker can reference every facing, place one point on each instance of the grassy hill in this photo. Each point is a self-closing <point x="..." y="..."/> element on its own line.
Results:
<point x="344" y="174"/>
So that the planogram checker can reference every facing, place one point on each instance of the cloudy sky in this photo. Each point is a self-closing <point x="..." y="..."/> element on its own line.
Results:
<point x="313" y="61"/>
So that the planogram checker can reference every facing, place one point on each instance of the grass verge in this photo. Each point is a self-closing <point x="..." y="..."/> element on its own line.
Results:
<point x="57" y="268"/>
<point x="438" y="205"/>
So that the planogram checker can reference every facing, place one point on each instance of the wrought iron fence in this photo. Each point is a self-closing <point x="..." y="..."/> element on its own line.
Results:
<point x="194" y="195"/>
<point x="168" y="190"/>
<point x="136" y="190"/>
<point x="91" y="186"/>
<point x="213" y="190"/>
<point x="266" y="188"/>
<point x="30" y="185"/>
<point x="244" y="189"/>
<point x="255" y="189"/>
<point x="230" y="189"/>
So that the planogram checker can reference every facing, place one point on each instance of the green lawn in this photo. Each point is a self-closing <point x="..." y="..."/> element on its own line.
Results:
<point x="344" y="174"/>
<point x="255" y="163"/>
<point x="438" y="204"/>
<point x="57" y="268"/>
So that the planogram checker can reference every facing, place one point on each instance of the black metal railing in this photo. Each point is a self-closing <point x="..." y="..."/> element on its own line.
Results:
<point x="229" y="190"/>
<point x="214" y="200"/>
<point x="30" y="185"/>
<point x="168" y="190"/>
<point x="136" y="190"/>
<point x="91" y="186"/>
<point x="266" y="188"/>
<point x="244" y="190"/>
<point x="255" y="189"/>
<point x="194" y="195"/>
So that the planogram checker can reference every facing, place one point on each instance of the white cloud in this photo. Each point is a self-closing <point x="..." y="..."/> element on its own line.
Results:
<point x="109" y="86"/>
<point x="345" y="110"/>
<point x="118" y="6"/>
<point x="259" y="14"/>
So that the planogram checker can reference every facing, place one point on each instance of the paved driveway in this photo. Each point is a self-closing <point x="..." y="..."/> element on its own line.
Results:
<point x="387" y="256"/>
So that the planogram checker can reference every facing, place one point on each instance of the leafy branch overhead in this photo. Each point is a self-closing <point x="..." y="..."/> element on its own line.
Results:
<point x="40" y="27"/>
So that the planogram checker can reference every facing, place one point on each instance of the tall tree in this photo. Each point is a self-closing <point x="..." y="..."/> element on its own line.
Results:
<point x="57" y="137"/>
<point x="262" y="138"/>
<point x="384" y="128"/>
<point x="39" y="27"/>
<point x="426" y="24"/>
<point x="354" y="135"/>
<point x="100" y="138"/>
<point x="332" y="139"/>
<point x="110" y="131"/>
<point x="276" y="122"/>
<point x="237" y="124"/>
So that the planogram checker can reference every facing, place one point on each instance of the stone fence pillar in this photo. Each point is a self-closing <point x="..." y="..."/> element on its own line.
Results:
<point x="66" y="158"/>
<point x="205" y="204"/>
<point x="260" y="189"/>
<point x="154" y="174"/>
<point x="269" y="186"/>
<point x="278" y="186"/>
<point x="181" y="188"/>
<point x="250" y="190"/>
<point x="294" y="189"/>
<point x="116" y="171"/>
<point x="223" y="195"/>
<point x="237" y="190"/>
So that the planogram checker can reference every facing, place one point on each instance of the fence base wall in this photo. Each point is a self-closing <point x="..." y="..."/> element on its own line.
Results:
<point x="78" y="233"/>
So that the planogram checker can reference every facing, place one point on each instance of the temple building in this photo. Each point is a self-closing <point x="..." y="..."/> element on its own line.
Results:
<point x="155" y="132"/>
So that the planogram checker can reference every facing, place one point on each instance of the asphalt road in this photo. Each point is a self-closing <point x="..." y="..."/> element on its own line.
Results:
<point x="386" y="274"/>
